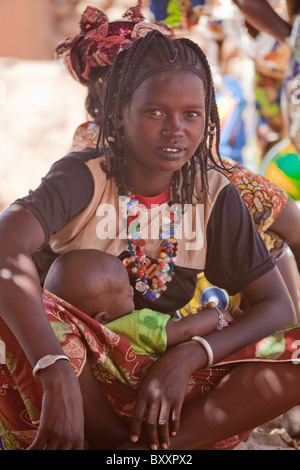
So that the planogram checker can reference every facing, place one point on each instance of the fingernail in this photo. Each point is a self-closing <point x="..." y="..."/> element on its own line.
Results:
<point x="173" y="433"/>
<point x="134" y="438"/>
<point x="153" y="447"/>
<point x="164" y="446"/>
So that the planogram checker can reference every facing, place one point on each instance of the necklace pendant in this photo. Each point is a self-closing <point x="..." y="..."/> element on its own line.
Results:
<point x="140" y="287"/>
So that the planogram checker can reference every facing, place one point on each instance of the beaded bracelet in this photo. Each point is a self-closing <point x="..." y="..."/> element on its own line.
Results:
<point x="208" y="350"/>
<point x="222" y="322"/>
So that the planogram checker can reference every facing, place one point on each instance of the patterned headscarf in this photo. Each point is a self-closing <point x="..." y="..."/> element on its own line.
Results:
<point x="100" y="41"/>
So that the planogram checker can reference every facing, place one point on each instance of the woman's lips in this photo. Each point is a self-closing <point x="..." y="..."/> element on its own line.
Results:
<point x="169" y="152"/>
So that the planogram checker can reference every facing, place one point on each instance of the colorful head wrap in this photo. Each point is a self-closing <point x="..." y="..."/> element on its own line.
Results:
<point x="100" y="41"/>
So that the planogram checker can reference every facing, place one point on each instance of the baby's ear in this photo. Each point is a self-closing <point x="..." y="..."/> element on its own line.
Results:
<point x="101" y="317"/>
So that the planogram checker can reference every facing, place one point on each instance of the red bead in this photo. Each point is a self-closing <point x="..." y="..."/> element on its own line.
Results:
<point x="160" y="283"/>
<point x="162" y="264"/>
<point x="140" y="242"/>
<point x="130" y="218"/>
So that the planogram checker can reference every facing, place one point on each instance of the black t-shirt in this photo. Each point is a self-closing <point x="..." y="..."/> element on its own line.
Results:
<point x="236" y="254"/>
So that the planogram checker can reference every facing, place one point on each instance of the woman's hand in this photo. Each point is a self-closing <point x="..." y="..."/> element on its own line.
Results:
<point x="62" y="424"/>
<point x="161" y="394"/>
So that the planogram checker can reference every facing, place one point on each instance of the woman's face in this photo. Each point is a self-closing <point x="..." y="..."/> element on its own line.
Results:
<point x="163" y="123"/>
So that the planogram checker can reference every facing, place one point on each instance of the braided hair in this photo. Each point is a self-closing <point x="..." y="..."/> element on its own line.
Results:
<point x="145" y="56"/>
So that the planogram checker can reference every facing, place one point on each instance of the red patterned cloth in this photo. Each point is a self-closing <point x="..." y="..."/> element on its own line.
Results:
<point x="115" y="366"/>
<point x="264" y="200"/>
<point x="100" y="40"/>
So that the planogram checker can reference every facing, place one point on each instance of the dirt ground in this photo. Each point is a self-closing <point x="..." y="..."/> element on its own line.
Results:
<point x="40" y="108"/>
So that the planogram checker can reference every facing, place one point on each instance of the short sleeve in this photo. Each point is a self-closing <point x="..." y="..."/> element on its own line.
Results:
<point x="65" y="191"/>
<point x="145" y="329"/>
<point x="236" y="254"/>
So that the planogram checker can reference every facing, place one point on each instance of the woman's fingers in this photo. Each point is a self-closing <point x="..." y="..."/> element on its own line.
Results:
<point x="160" y="421"/>
<point x="164" y="425"/>
<point x="175" y="419"/>
<point x="138" y="415"/>
<point x="151" y="426"/>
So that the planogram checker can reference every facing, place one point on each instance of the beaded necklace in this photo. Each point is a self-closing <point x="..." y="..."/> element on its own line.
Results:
<point x="138" y="265"/>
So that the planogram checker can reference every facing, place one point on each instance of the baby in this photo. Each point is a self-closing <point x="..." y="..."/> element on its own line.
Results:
<point x="97" y="283"/>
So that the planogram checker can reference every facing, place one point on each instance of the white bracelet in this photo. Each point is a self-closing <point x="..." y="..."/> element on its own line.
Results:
<point x="208" y="350"/>
<point x="46" y="361"/>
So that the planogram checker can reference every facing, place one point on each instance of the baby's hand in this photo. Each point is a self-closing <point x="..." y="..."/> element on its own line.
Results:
<point x="236" y="312"/>
<point x="207" y="305"/>
<point x="227" y="317"/>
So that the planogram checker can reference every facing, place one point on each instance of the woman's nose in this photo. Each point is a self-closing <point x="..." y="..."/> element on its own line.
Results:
<point x="173" y="128"/>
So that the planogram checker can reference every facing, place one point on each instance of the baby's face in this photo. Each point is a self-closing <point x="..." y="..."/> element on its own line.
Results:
<point x="121" y="301"/>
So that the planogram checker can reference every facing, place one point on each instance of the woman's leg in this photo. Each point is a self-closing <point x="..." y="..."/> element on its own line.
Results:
<point x="250" y="395"/>
<point x="103" y="428"/>
<point x="289" y="272"/>
<point x="291" y="422"/>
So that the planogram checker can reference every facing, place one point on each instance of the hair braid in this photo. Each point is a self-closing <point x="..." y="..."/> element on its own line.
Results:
<point x="120" y="80"/>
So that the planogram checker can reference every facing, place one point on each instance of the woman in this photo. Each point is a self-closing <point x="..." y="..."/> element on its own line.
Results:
<point x="159" y="124"/>
<point x="88" y="56"/>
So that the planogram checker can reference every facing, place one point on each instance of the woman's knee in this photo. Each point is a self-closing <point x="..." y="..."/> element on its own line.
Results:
<point x="276" y="380"/>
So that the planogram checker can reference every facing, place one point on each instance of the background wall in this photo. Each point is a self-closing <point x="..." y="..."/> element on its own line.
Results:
<point x="40" y="103"/>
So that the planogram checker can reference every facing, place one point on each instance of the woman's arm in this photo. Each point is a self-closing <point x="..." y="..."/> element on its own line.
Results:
<point x="22" y="309"/>
<point x="262" y="16"/>
<point x="287" y="226"/>
<point x="161" y="394"/>
<point x="271" y="309"/>
<point x="198" y="324"/>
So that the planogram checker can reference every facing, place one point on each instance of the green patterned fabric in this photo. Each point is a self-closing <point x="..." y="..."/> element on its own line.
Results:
<point x="145" y="329"/>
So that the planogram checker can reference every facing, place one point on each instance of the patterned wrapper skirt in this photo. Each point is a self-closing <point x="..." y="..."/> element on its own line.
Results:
<point x="115" y="366"/>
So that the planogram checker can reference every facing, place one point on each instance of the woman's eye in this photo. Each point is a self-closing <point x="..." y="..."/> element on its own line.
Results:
<point x="192" y="114"/>
<point x="154" y="112"/>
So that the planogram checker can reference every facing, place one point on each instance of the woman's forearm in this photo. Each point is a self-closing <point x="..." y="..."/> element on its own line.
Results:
<point x="21" y="305"/>
<point x="264" y="317"/>
<point x="23" y="311"/>
<point x="262" y="16"/>
<point x="198" y="324"/>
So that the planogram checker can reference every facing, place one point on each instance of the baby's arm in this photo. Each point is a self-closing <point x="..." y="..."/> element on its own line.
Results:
<point x="197" y="324"/>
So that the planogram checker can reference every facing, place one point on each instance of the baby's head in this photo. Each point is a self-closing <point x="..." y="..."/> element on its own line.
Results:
<point x="93" y="281"/>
